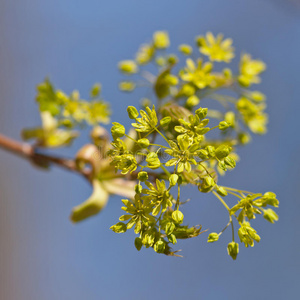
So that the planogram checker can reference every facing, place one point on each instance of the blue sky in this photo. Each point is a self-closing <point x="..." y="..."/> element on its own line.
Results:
<point x="77" y="43"/>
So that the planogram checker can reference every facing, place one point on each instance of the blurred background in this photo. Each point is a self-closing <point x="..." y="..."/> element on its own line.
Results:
<point x="78" y="43"/>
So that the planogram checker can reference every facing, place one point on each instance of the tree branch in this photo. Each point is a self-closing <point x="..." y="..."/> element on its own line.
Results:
<point x="30" y="153"/>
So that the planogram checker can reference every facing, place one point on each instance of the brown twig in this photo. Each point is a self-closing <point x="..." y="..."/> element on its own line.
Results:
<point x="30" y="153"/>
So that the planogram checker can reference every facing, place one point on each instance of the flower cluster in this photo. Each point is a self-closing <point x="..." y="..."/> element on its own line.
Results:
<point x="61" y="113"/>
<point x="196" y="144"/>
<point x="174" y="141"/>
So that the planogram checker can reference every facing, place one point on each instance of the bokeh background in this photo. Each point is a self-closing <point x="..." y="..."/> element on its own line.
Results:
<point x="77" y="43"/>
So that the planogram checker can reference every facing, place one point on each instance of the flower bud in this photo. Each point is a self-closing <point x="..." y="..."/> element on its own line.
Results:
<point x="192" y="101"/>
<point x="177" y="216"/>
<point x="185" y="49"/>
<point x="222" y="151"/>
<point x="244" y="138"/>
<point x="127" y="86"/>
<point x="213" y="237"/>
<point x="270" y="215"/>
<point x="201" y="113"/>
<point x="152" y="160"/>
<point x="207" y="184"/>
<point x="117" y="130"/>
<point x="169" y="228"/>
<point x="230" y="118"/>
<point x="173" y="179"/>
<point x="132" y="112"/>
<point x="144" y="143"/>
<point x="159" y="246"/>
<point x="172" y="239"/>
<point x="128" y="66"/>
<point x="221" y="191"/>
<point x="211" y="150"/>
<point x="233" y="250"/>
<point x="223" y="125"/>
<point x="96" y="90"/>
<point x="172" y="59"/>
<point x="229" y="161"/>
<point x="161" y="39"/>
<point x="142" y="176"/>
<point x="258" y="96"/>
<point x="165" y="121"/>
<point x="203" y="154"/>
<point x="138" y="188"/>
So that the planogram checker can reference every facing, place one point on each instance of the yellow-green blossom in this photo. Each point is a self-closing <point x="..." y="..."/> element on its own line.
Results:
<point x="250" y="70"/>
<point x="253" y="115"/>
<point x="185" y="49"/>
<point x="145" y="54"/>
<point x="216" y="48"/>
<point x="128" y="66"/>
<point x="161" y="39"/>
<point x="199" y="75"/>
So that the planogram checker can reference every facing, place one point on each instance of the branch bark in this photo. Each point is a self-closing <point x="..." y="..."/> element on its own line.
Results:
<point x="30" y="153"/>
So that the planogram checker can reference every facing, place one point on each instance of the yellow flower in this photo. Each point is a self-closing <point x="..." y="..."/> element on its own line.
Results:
<point x="161" y="39"/>
<point x="185" y="49"/>
<point x="128" y="66"/>
<point x="145" y="54"/>
<point x="216" y="48"/>
<point x="253" y="115"/>
<point x="249" y="70"/>
<point x="200" y="76"/>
